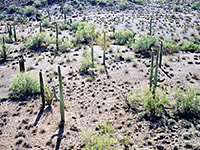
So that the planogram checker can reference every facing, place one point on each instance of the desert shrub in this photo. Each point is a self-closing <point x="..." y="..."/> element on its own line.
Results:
<point x="188" y="46"/>
<point x="130" y="101"/>
<point x="106" y="2"/>
<point x="68" y="8"/>
<point x="137" y="1"/>
<point x="66" y="45"/>
<point x="187" y="103"/>
<point x="4" y="52"/>
<point x="99" y="140"/>
<point x="83" y="33"/>
<point x="45" y="23"/>
<point x="11" y="9"/>
<point x="93" y="2"/>
<point x="2" y="16"/>
<point x="124" y="37"/>
<point x="144" y="43"/>
<point x="86" y="62"/>
<point x="29" y="11"/>
<point x="123" y="5"/>
<point x="23" y="85"/>
<point x="154" y="103"/>
<point x="37" y="41"/>
<point x="37" y="4"/>
<point x="196" y="5"/>
<point x="169" y="47"/>
<point x="48" y="94"/>
<point x="177" y="8"/>
<point x="63" y="26"/>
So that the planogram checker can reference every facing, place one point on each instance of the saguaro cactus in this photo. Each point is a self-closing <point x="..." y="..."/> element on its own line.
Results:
<point x="151" y="74"/>
<point x="61" y="96"/>
<point x="104" y="48"/>
<point x="14" y="31"/>
<point x="154" y="76"/>
<point x="150" y="28"/>
<point x="42" y="89"/>
<point x="92" y="49"/>
<point x="161" y="49"/>
<point x="9" y="32"/>
<point x="21" y="64"/>
<point x="40" y="27"/>
<point x="57" y="46"/>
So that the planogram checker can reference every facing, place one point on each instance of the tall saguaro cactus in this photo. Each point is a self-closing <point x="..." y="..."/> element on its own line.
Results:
<point x="9" y="32"/>
<point x="61" y="96"/>
<point x="150" y="27"/>
<point x="21" y="64"/>
<point x="92" y="48"/>
<point x="14" y="31"/>
<point x="42" y="89"/>
<point x="57" y="46"/>
<point x="161" y="50"/>
<point x="40" y="27"/>
<point x="104" y="48"/>
<point x="154" y="74"/>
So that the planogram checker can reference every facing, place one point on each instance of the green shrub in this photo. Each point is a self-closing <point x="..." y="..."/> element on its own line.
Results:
<point x="188" y="46"/>
<point x="11" y="9"/>
<point x="154" y="104"/>
<point x="187" y="103"/>
<point x="29" y="11"/>
<point x="169" y="47"/>
<point x="83" y="33"/>
<point x="39" y="3"/>
<point x="101" y="139"/>
<point x="68" y="8"/>
<point x="45" y="23"/>
<point x="4" y="52"/>
<point x="37" y="41"/>
<point x="137" y="1"/>
<point x="86" y="62"/>
<point x="143" y="43"/>
<point x="106" y="2"/>
<point x="177" y="8"/>
<point x="2" y="16"/>
<point x="23" y="85"/>
<point x="196" y="5"/>
<point x="124" y="37"/>
<point x="123" y="5"/>
<point x="66" y="45"/>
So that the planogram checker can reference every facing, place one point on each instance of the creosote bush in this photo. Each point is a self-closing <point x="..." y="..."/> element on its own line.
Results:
<point x="187" y="103"/>
<point x="29" y="11"/>
<point x="123" y="5"/>
<point x="196" y="5"/>
<point x="66" y="45"/>
<point x="154" y="103"/>
<point x="144" y="43"/>
<point x="101" y="139"/>
<point x="11" y="9"/>
<point x="86" y="62"/>
<point x="23" y="85"/>
<point x="188" y="46"/>
<point x="124" y="37"/>
<point x="37" y="41"/>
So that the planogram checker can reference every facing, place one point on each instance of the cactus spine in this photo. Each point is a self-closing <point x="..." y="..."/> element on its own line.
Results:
<point x="42" y="89"/>
<point x="161" y="50"/>
<point x="92" y="49"/>
<point x="150" y="28"/>
<point x="104" y="48"/>
<point x="21" y="64"/>
<point x="57" y="48"/>
<point x="61" y="96"/>
<point x="14" y="31"/>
